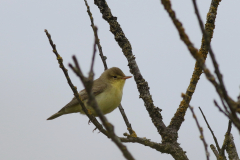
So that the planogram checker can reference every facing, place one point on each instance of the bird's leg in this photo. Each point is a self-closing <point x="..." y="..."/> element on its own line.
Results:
<point x="94" y="129"/>
<point x="89" y="122"/>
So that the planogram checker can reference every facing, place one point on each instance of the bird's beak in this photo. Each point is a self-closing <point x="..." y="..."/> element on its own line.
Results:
<point x="126" y="77"/>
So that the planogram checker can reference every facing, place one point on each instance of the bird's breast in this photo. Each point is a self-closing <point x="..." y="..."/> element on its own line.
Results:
<point x="109" y="99"/>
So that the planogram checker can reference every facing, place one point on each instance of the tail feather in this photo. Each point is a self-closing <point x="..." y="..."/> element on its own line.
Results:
<point x="55" y="116"/>
<point x="65" y="110"/>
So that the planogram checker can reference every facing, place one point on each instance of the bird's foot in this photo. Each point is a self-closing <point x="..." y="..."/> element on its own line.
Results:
<point x="89" y="122"/>
<point x="94" y="129"/>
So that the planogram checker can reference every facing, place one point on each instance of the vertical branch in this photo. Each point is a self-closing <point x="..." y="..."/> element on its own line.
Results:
<point x="178" y="118"/>
<point x="129" y="127"/>
<point x="221" y="89"/>
<point x="96" y="37"/>
<point x="91" y="74"/>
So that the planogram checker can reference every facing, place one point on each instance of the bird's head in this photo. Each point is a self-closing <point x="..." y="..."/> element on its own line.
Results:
<point x="115" y="77"/>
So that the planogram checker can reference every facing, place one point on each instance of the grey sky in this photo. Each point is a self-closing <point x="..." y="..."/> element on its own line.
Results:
<point x="32" y="86"/>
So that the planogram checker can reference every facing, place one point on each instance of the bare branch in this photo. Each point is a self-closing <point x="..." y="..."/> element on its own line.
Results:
<point x="215" y="139"/>
<point x="217" y="71"/>
<point x="74" y="89"/>
<point x="201" y="132"/>
<point x="142" y="85"/>
<point x="146" y="142"/>
<point x="178" y="118"/>
<point x="91" y="74"/>
<point x="96" y="37"/>
<point x="161" y="147"/>
<point x="129" y="127"/>
<point x="220" y="109"/>
<point x="220" y="88"/>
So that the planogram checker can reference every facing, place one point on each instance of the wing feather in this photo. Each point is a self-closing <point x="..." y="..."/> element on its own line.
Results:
<point x="98" y="87"/>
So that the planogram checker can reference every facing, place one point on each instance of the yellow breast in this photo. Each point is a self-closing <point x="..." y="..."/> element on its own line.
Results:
<point x="110" y="98"/>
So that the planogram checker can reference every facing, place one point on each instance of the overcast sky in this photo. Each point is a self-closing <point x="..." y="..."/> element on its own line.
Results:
<point x="33" y="87"/>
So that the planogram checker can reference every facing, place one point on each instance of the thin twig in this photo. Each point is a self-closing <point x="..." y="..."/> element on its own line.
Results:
<point x="96" y="35"/>
<point x="215" y="139"/>
<point x="220" y="109"/>
<point x="91" y="74"/>
<point x="201" y="132"/>
<point x="129" y="127"/>
<point x="74" y="89"/>
<point x="88" y="82"/>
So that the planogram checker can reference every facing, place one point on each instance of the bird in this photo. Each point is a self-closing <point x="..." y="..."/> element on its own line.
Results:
<point x="107" y="89"/>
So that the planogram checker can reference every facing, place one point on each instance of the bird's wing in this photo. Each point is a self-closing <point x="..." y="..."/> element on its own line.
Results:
<point x="98" y="87"/>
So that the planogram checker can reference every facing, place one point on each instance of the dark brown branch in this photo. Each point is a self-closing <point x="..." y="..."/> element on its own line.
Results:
<point x="88" y="83"/>
<point x="129" y="127"/>
<point x="74" y="89"/>
<point x="201" y="132"/>
<point x="215" y="139"/>
<point x="127" y="50"/>
<point x="178" y="118"/>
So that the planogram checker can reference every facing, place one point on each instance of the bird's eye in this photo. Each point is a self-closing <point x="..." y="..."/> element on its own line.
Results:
<point x="114" y="77"/>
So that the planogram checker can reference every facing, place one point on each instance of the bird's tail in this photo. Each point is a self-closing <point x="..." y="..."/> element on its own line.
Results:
<point x="55" y="116"/>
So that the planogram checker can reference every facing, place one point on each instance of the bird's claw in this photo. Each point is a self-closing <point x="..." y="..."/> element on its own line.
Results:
<point x="94" y="129"/>
<point x="89" y="122"/>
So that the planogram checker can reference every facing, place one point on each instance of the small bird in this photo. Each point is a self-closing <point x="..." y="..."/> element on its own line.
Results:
<point x="107" y="90"/>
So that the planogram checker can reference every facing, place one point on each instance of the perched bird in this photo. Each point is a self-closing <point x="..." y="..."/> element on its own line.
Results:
<point x="107" y="90"/>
